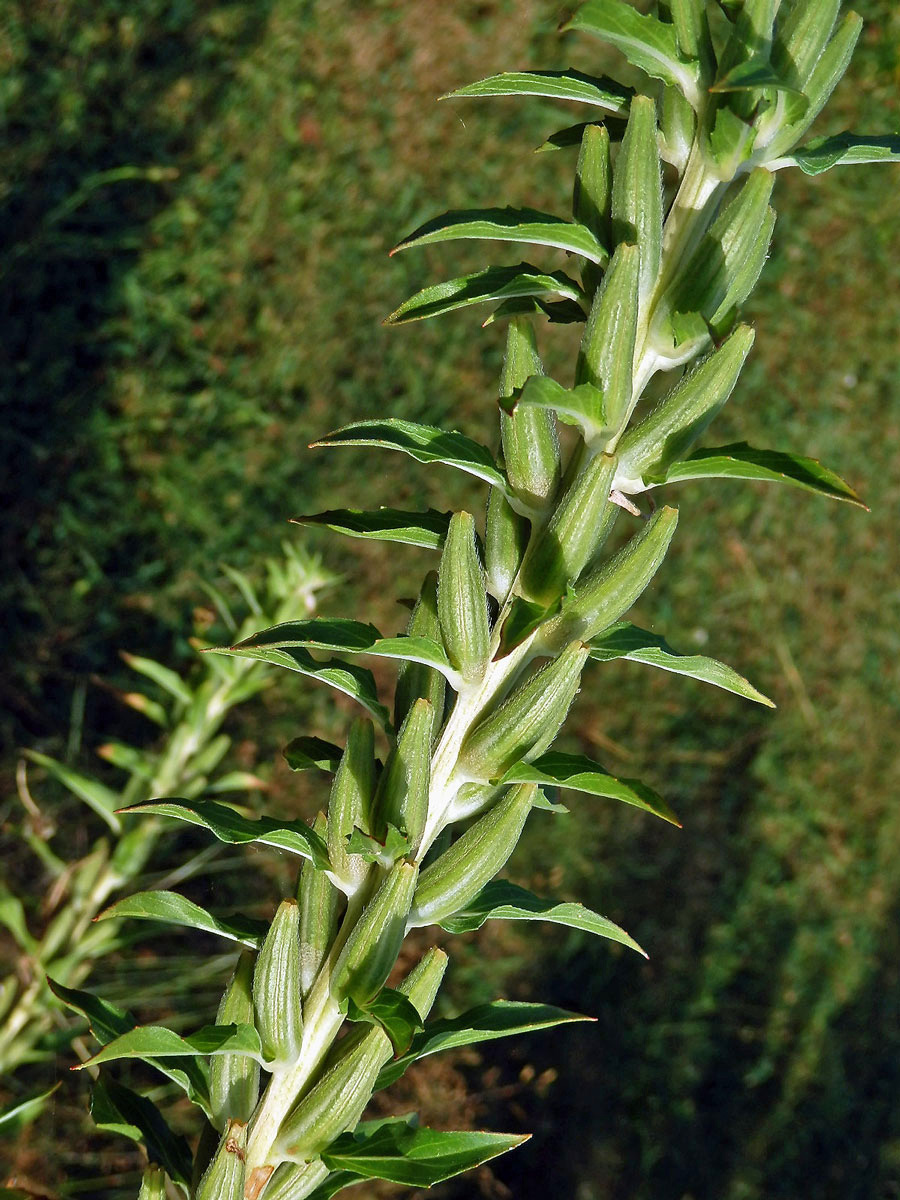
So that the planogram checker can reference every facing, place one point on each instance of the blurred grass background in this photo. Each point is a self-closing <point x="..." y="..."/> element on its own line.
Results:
<point x="197" y="198"/>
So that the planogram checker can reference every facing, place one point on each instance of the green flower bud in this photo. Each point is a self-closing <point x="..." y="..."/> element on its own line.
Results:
<point x="372" y="948"/>
<point x="224" y="1177"/>
<point x="606" y="359"/>
<point x="153" y="1184"/>
<point x="234" y="1078"/>
<point x="528" y="436"/>
<point x="505" y="537"/>
<point x="318" y="902"/>
<point x="462" y="601"/>
<point x="415" y="681"/>
<point x="637" y="210"/>
<point x="276" y="987"/>
<point x="402" y="796"/>
<point x="526" y="722"/>
<point x="593" y="182"/>
<point x="350" y="805"/>
<point x="422" y="983"/>
<point x="460" y="873"/>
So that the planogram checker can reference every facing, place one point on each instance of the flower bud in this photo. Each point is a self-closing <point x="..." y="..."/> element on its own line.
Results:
<point x="372" y="948"/>
<point x="350" y="805"/>
<point x="234" y="1078"/>
<point x="224" y="1177"/>
<point x="593" y="182"/>
<point x="318" y="900"/>
<point x="637" y="213"/>
<point x="449" y="883"/>
<point x="606" y="358"/>
<point x="417" y="681"/>
<point x="462" y="601"/>
<point x="276" y="987"/>
<point x="526" y="722"/>
<point x="505" y="537"/>
<point x="528" y="436"/>
<point x="402" y="796"/>
<point x="153" y="1184"/>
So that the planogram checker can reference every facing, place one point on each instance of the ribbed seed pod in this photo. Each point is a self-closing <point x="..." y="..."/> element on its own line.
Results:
<point x="337" y="1101"/>
<point x="350" y="804"/>
<point x="526" y="722"/>
<point x="606" y="357"/>
<point x="318" y="901"/>
<point x="371" y="950"/>
<point x="505" y="538"/>
<point x="402" y="795"/>
<point x="462" y="600"/>
<point x="224" y="1177"/>
<point x="575" y="532"/>
<point x="668" y="431"/>
<point x="153" y="1184"/>
<point x="800" y="39"/>
<point x="692" y="29"/>
<point x="276" y="987"/>
<point x="234" y="1078"/>
<point x="528" y="435"/>
<point x="609" y="591"/>
<point x="415" y="681"/>
<point x="637" y="209"/>
<point x="462" y="871"/>
<point x="592" y="193"/>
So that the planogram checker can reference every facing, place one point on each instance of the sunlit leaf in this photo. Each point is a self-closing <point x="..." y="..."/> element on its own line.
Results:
<point x="509" y="225"/>
<point x="480" y="287"/>
<point x="172" y="909"/>
<point x="552" y="85"/>
<point x="740" y="461"/>
<point x="427" y="529"/>
<point x="118" y="1109"/>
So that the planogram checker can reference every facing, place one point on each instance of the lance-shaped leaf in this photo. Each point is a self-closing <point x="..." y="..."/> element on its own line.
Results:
<point x="752" y="74"/>
<point x="416" y="1157"/>
<point x="103" y="800"/>
<point x="480" y="287"/>
<point x="24" y="1112"/>
<point x="230" y="826"/>
<point x="552" y="85"/>
<point x="581" y="774"/>
<point x="172" y="909"/>
<point x="118" y="1109"/>
<point x="169" y="680"/>
<point x="509" y="225"/>
<point x="150" y="1042"/>
<point x="312" y="753"/>
<point x="740" y="461"/>
<point x="352" y="680"/>
<point x="645" y="41"/>
<point x="424" y="443"/>
<point x="427" y="529"/>
<point x="391" y="1011"/>
<point x="842" y="150"/>
<point x="501" y="900"/>
<point x="485" y="1023"/>
<point x="639" y="645"/>
<point x="581" y="405"/>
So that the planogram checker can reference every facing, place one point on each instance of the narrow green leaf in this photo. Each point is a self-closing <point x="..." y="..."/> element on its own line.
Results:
<point x="525" y="616"/>
<point x="230" y="826"/>
<point x="741" y="461"/>
<point x="645" y="41"/>
<point x="479" y="287"/>
<point x="169" y="680"/>
<point x="842" y="150"/>
<point x="103" y="800"/>
<point x="309" y="753"/>
<point x="552" y="85"/>
<point x="424" y="443"/>
<point x="501" y="900"/>
<point x="118" y="1109"/>
<point x="499" y="1019"/>
<point x="155" y="1041"/>
<point x="509" y="225"/>
<point x="562" y="312"/>
<point x="752" y="74"/>
<point x="24" y="1112"/>
<point x="172" y="909"/>
<point x="391" y="1011"/>
<point x="581" y="405"/>
<point x="417" y="1157"/>
<point x="427" y="529"/>
<point x="394" y="845"/>
<point x="639" y="645"/>
<point x="12" y="917"/>
<point x="581" y="774"/>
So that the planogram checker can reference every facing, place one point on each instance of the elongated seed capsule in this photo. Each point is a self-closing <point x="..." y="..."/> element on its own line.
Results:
<point x="337" y="1101"/>
<point x="525" y="724"/>
<point x="224" y="1177"/>
<point x="462" y="600"/>
<point x="800" y="39"/>
<point x="318" y="901"/>
<point x="606" y="358"/>
<point x="692" y="29"/>
<point x="667" y="432"/>
<point x="371" y="950"/>
<point x="592" y="192"/>
<point x="276" y="987"/>
<point x="637" y="212"/>
<point x="528" y="435"/>
<point x="609" y="591"/>
<point x="414" y="680"/>
<point x="350" y="804"/>
<point x="575" y="532"/>
<point x="462" y="871"/>
<point x="153" y="1184"/>
<point x="234" y="1078"/>
<point x="402" y="796"/>
<point x="505" y="537"/>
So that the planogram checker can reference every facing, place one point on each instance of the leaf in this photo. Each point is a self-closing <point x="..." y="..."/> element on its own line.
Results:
<point x="424" y="443"/>
<point x="21" y="1114"/>
<point x="581" y="405"/>
<point x="553" y="85"/>
<point x="391" y="1011"/>
<point x="509" y="225"/>
<point x="842" y="150"/>
<point x="645" y="41"/>
<point x="486" y="1022"/>
<point x="478" y="287"/>
<point x="581" y="774"/>
<point x="172" y="909"/>
<point x="354" y="681"/>
<point x="103" y="800"/>
<point x="524" y="617"/>
<point x="501" y="900"/>
<point x="741" y="461"/>
<point x="395" y="845"/>
<point x="751" y="74"/>
<point x="639" y="645"/>
<point x="230" y="826"/>
<point x="118" y="1109"/>
<point x="560" y="312"/>
<point x="149" y="1042"/>
<point x="417" y="1157"/>
<point x="12" y="917"/>
<point x="308" y="753"/>
<point x="170" y="681"/>
<point x="427" y="529"/>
